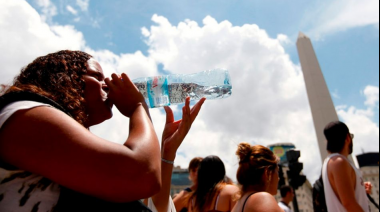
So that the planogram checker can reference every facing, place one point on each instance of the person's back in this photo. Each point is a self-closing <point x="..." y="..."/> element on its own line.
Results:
<point x="343" y="184"/>
<point x="212" y="193"/>
<point x="333" y="201"/>
<point x="225" y="200"/>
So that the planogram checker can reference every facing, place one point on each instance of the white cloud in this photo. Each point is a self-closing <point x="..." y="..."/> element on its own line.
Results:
<point x="268" y="105"/>
<point x="71" y="10"/>
<point x="25" y="36"/>
<point x="360" y="122"/>
<point x="340" y="15"/>
<point x="284" y="39"/>
<point x="365" y="130"/>
<point x="49" y="10"/>
<point x="335" y="94"/>
<point x="372" y="96"/>
<point x="83" y="4"/>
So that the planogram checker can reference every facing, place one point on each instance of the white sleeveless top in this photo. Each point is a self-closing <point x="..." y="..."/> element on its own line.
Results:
<point x="171" y="206"/>
<point x="332" y="201"/>
<point x="20" y="190"/>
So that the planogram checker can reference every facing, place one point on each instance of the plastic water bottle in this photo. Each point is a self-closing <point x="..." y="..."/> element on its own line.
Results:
<point x="167" y="90"/>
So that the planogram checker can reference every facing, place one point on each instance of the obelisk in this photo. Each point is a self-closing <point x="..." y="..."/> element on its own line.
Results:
<point x="321" y="104"/>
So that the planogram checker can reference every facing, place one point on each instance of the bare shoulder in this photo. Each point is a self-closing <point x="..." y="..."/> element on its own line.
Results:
<point x="180" y="200"/>
<point x="65" y="152"/>
<point x="230" y="189"/>
<point x="42" y="133"/>
<point x="34" y="117"/>
<point x="262" y="202"/>
<point x="338" y="159"/>
<point x="338" y="163"/>
<point x="40" y="126"/>
<point x="180" y="196"/>
<point x="262" y="196"/>
<point x="36" y="123"/>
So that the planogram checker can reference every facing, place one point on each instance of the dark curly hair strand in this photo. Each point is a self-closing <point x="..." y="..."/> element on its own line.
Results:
<point x="58" y="76"/>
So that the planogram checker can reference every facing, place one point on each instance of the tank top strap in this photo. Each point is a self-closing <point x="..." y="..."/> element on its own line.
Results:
<point x="245" y="202"/>
<point x="216" y="202"/>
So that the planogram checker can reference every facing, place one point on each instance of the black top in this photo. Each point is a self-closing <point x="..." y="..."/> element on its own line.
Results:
<point x="246" y="201"/>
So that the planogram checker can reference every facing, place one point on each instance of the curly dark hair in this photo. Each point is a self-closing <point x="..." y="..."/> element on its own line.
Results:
<point x="58" y="76"/>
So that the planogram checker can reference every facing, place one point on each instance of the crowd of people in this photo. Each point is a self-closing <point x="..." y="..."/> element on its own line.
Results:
<point x="50" y="161"/>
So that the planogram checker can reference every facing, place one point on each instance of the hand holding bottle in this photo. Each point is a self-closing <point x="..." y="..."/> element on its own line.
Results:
<point x="124" y="94"/>
<point x="176" y="131"/>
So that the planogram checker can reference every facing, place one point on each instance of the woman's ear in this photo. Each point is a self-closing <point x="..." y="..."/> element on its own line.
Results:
<point x="267" y="175"/>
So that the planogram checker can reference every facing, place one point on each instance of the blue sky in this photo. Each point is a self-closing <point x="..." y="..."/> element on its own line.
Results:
<point x="349" y="59"/>
<point x="254" y="39"/>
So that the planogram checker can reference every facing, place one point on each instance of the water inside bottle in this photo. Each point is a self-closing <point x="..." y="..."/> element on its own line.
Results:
<point x="174" y="89"/>
<point x="179" y="91"/>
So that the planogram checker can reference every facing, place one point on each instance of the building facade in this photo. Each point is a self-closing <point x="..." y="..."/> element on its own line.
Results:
<point x="180" y="180"/>
<point x="304" y="195"/>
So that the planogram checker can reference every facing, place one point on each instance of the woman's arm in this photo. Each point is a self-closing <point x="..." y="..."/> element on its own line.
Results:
<point x="46" y="141"/>
<point x="173" y="135"/>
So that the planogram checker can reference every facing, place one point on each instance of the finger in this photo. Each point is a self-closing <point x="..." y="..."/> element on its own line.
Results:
<point x="109" y="84"/>
<point x="186" y="110"/>
<point x="198" y="104"/>
<point x="124" y="77"/>
<point x="185" y="124"/>
<point x="116" y="79"/>
<point x="186" y="118"/>
<point x="127" y="81"/>
<point x="169" y="115"/>
<point x="187" y="104"/>
<point x="196" y="108"/>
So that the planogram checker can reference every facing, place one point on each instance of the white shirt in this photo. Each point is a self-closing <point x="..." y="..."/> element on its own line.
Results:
<point x="284" y="207"/>
<point x="171" y="207"/>
<point x="332" y="201"/>
<point x="10" y="109"/>
<point x="15" y="183"/>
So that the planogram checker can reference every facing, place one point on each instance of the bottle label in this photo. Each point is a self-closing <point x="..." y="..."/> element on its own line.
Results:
<point x="158" y="94"/>
<point x="142" y="86"/>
